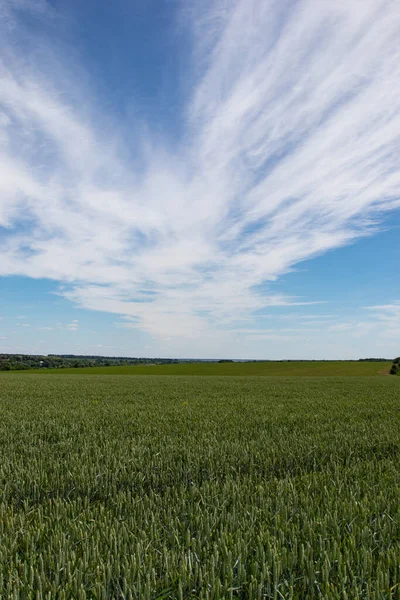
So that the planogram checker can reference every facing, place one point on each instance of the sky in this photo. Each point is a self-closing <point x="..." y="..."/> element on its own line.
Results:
<point x="200" y="180"/>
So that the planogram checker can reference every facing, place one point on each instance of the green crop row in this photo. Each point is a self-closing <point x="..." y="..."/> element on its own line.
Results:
<point x="199" y="487"/>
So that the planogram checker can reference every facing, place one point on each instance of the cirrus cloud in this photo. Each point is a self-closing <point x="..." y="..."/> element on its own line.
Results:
<point x="291" y="149"/>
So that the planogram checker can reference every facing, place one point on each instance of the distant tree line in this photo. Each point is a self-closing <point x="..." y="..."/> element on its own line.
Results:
<point x="373" y="360"/>
<point x="23" y="362"/>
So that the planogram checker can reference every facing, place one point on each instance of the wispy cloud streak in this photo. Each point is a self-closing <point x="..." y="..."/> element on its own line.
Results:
<point x="291" y="150"/>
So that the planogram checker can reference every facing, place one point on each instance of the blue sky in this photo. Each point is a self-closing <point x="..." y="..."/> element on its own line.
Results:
<point x="220" y="179"/>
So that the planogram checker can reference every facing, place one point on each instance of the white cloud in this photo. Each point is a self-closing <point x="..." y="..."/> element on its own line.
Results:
<point x="291" y="150"/>
<point x="387" y="317"/>
<point x="73" y="326"/>
<point x="101" y="346"/>
<point x="386" y="310"/>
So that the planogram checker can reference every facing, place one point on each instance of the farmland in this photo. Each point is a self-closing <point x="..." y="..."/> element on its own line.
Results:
<point x="241" y="369"/>
<point x="199" y="487"/>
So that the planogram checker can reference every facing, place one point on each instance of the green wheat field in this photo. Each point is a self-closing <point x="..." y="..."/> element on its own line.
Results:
<point x="191" y="486"/>
<point x="272" y="368"/>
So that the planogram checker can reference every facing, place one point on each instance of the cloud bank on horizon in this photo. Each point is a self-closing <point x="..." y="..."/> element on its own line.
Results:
<point x="290" y="148"/>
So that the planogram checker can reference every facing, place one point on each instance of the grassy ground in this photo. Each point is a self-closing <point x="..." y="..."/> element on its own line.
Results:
<point x="199" y="487"/>
<point x="286" y="369"/>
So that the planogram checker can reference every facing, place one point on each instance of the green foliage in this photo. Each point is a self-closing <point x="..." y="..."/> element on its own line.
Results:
<point x="395" y="368"/>
<point x="190" y="487"/>
<point x="20" y="362"/>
